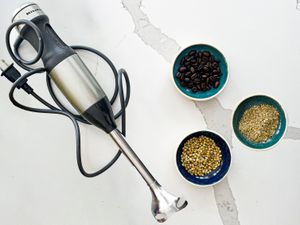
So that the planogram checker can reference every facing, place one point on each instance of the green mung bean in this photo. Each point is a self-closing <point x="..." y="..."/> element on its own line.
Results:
<point x="200" y="156"/>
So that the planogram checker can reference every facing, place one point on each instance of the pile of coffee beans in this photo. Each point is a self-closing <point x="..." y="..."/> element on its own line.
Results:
<point x="199" y="71"/>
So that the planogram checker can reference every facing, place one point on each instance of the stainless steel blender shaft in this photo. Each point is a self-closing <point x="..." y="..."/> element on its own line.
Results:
<point x="163" y="203"/>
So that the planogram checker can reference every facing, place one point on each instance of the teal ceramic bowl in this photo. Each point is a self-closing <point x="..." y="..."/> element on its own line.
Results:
<point x="256" y="100"/>
<point x="201" y="95"/>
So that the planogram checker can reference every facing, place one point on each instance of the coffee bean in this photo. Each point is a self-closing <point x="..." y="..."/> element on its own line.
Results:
<point x="202" y="86"/>
<point x="194" y="75"/>
<point x="204" y="76"/>
<point x="186" y="63"/>
<point x="182" y="69"/>
<point x="186" y="79"/>
<point x="193" y="52"/>
<point x="197" y="81"/>
<point x="182" y="61"/>
<point x="178" y="75"/>
<point x="216" y="77"/>
<point x="211" y="80"/>
<point x="192" y="69"/>
<point x="190" y="85"/>
<point x="215" y="72"/>
<point x="206" y="54"/>
<point x="188" y="74"/>
<point x="215" y="64"/>
<point x="194" y="89"/>
<point x="207" y="80"/>
<point x="189" y="58"/>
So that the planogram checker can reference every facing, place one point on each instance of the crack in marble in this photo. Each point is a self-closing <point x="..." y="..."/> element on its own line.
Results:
<point x="226" y="203"/>
<point x="292" y="133"/>
<point x="215" y="115"/>
<point x="149" y="34"/>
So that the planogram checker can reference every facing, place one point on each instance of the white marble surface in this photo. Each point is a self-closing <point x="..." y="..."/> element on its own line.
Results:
<point x="40" y="182"/>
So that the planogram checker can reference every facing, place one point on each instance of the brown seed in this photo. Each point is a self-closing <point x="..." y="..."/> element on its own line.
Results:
<point x="216" y="84"/>
<point x="215" y="72"/>
<point x="193" y="52"/>
<point x="204" y="76"/>
<point x="188" y="74"/>
<point x="182" y="61"/>
<point x="197" y="81"/>
<point x="186" y="63"/>
<point x="215" y="64"/>
<point x="182" y="69"/>
<point x="206" y="54"/>
<point x="189" y="58"/>
<point x="194" y="75"/>
<point x="202" y="86"/>
<point x="187" y="79"/>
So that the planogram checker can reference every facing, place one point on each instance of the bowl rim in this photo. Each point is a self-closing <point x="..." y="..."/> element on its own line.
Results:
<point x="203" y="185"/>
<point x="187" y="96"/>
<point x="284" y="112"/>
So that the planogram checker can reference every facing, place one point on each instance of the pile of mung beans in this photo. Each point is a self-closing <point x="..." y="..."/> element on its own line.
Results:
<point x="200" y="156"/>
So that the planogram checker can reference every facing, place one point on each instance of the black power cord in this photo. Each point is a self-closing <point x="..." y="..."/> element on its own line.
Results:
<point x="20" y="82"/>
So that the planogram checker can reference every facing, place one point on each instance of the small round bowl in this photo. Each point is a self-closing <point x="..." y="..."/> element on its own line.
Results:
<point x="215" y="176"/>
<point x="256" y="100"/>
<point x="201" y="95"/>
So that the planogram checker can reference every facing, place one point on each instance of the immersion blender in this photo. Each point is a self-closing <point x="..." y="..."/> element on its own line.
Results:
<point x="81" y="89"/>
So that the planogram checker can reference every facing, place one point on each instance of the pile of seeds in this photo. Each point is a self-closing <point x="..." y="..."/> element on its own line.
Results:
<point x="199" y="71"/>
<point x="200" y="156"/>
<point x="259" y="123"/>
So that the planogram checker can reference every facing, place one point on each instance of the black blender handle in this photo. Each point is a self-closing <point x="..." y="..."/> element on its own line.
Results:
<point x="54" y="49"/>
<point x="70" y="74"/>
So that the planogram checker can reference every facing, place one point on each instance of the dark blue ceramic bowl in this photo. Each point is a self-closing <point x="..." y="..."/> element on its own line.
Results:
<point x="216" y="175"/>
<point x="256" y="100"/>
<point x="201" y="95"/>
